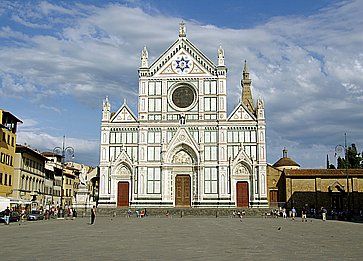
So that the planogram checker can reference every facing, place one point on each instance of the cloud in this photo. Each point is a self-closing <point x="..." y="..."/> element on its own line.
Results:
<point x="307" y="68"/>
<point x="46" y="142"/>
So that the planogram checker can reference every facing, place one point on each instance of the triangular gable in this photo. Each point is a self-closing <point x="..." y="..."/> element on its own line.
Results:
<point x="122" y="165"/>
<point x="241" y="113"/>
<point x="182" y="64"/>
<point x="123" y="157"/>
<point x="182" y="136"/>
<point x="124" y="114"/>
<point x="167" y="63"/>
<point x="242" y="157"/>
<point x="336" y="186"/>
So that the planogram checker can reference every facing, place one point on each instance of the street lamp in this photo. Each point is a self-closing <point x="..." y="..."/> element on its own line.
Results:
<point x="64" y="152"/>
<point x="338" y="150"/>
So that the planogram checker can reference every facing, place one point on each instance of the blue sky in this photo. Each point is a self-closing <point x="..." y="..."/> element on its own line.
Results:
<point x="59" y="59"/>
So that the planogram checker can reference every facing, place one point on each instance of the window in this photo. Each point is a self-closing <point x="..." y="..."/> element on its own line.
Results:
<point x="210" y="104"/>
<point x="154" y="104"/>
<point x="210" y="136"/>
<point x="210" y="180"/>
<point x="154" y="88"/>
<point x="123" y="137"/>
<point x="233" y="151"/>
<point x="153" y="153"/>
<point x="1" y="178"/>
<point x="6" y="179"/>
<point x="153" y="180"/>
<point x="210" y="153"/>
<point x="12" y="141"/>
<point x="9" y="180"/>
<point x="210" y="87"/>
<point x="154" y="137"/>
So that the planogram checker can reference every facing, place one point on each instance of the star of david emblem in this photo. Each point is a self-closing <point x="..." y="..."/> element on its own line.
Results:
<point x="182" y="64"/>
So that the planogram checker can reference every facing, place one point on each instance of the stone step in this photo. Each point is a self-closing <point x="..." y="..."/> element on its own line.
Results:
<point x="178" y="212"/>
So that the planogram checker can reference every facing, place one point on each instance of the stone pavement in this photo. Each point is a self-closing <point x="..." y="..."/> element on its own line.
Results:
<point x="191" y="238"/>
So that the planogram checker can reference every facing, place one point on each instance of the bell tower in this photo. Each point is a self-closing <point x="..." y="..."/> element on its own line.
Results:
<point x="246" y="89"/>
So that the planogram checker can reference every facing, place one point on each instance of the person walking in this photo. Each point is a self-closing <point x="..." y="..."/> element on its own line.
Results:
<point x="324" y="213"/>
<point x="303" y="215"/>
<point x="293" y="211"/>
<point x="7" y="216"/>
<point x="93" y="215"/>
<point x="284" y="213"/>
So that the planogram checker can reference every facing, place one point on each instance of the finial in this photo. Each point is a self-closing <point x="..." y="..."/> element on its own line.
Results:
<point x="124" y="101"/>
<point x="144" y="58"/>
<point x="245" y="69"/>
<point x="182" y="29"/>
<point x="220" y="56"/>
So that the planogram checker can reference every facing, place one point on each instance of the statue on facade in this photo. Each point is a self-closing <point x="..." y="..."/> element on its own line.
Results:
<point x="220" y="56"/>
<point x="144" y="58"/>
<point x="182" y="30"/>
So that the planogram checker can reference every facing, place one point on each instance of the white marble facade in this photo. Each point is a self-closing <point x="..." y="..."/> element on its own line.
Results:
<point x="182" y="128"/>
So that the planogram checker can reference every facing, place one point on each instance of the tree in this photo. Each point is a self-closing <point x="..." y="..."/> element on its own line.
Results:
<point x="355" y="160"/>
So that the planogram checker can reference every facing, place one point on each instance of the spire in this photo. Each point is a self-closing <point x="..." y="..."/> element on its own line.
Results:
<point x="144" y="58"/>
<point x="182" y="29"/>
<point x="327" y="161"/>
<point x="246" y="88"/>
<point x="106" y="110"/>
<point x="220" y="56"/>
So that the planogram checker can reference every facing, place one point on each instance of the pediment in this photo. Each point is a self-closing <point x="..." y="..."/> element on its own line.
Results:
<point x="241" y="113"/>
<point x="183" y="59"/>
<point x="124" y="114"/>
<point x="336" y="187"/>
<point x="181" y="140"/>
<point x="122" y="159"/>
<point x="242" y="157"/>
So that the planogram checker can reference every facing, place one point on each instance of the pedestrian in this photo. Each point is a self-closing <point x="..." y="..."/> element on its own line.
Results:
<point x="293" y="213"/>
<point x="7" y="216"/>
<point x="93" y="215"/>
<point x="284" y="213"/>
<point x="303" y="215"/>
<point x="324" y="213"/>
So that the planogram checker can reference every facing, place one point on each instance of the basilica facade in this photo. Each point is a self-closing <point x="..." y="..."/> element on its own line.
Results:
<point x="182" y="148"/>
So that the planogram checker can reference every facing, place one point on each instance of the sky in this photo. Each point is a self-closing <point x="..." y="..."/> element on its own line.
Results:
<point x="59" y="59"/>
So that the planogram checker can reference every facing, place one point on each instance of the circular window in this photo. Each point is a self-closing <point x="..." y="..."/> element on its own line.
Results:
<point x="183" y="96"/>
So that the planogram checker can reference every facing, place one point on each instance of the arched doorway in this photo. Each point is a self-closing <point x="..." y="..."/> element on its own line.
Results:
<point x="183" y="171"/>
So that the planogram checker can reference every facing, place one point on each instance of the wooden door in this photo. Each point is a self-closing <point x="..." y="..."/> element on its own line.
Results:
<point x="123" y="194"/>
<point x="182" y="191"/>
<point x="242" y="194"/>
<point x="274" y="196"/>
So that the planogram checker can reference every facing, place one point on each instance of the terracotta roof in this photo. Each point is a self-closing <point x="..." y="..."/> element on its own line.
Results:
<point x="285" y="162"/>
<point x="25" y="149"/>
<point x="323" y="172"/>
<point x="51" y="154"/>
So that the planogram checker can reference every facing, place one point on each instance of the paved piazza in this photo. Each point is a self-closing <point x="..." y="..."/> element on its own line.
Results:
<point x="187" y="238"/>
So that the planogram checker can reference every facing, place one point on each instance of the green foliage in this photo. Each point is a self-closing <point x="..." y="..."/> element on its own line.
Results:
<point x="354" y="159"/>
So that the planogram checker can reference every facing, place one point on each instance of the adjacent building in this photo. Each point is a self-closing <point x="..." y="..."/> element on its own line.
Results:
<point x="8" y="128"/>
<point x="332" y="189"/>
<point x="29" y="175"/>
<point x="54" y="165"/>
<point x="183" y="149"/>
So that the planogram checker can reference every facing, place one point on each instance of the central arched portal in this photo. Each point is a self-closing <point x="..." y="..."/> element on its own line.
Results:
<point x="182" y="191"/>
<point x="183" y="163"/>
